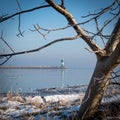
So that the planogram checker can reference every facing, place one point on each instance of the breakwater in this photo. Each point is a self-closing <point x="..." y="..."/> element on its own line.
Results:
<point x="32" y="67"/>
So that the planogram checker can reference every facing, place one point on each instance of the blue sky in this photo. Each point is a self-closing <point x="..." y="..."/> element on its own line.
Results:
<point x="72" y="52"/>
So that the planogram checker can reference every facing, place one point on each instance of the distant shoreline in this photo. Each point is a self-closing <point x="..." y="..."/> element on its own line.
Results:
<point x="32" y="67"/>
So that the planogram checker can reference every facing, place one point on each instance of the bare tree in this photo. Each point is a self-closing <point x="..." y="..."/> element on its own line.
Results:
<point x="108" y="58"/>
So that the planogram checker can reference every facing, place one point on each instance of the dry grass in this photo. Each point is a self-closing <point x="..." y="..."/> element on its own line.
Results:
<point x="51" y="110"/>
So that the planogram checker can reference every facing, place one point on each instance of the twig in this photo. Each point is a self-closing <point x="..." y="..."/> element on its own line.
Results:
<point x="7" y="58"/>
<point x="99" y="32"/>
<point x="19" y="5"/>
<point x="105" y="24"/>
<point x="92" y="50"/>
<point x="19" y="24"/>
<point x="6" y="43"/>
<point x="21" y="12"/>
<point x="114" y="83"/>
<point x="100" y="12"/>
<point x="62" y="4"/>
<point x="38" y="28"/>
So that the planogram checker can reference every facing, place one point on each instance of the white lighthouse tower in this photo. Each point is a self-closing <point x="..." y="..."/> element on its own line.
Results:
<point x="62" y="63"/>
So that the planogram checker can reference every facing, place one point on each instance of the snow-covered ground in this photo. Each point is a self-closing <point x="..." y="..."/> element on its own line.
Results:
<point x="45" y="104"/>
<point x="53" y="103"/>
<point x="17" y="106"/>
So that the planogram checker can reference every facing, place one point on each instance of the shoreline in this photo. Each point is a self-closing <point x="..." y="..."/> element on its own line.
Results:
<point x="51" y="91"/>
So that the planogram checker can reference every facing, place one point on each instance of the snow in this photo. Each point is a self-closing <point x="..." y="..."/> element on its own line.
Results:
<point x="13" y="108"/>
<point x="52" y="106"/>
<point x="65" y="98"/>
<point x="36" y="101"/>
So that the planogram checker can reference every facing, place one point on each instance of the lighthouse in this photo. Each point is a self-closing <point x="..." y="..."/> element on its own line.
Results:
<point x="62" y="63"/>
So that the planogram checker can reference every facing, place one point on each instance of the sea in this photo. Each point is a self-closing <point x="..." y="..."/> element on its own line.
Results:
<point x="30" y="80"/>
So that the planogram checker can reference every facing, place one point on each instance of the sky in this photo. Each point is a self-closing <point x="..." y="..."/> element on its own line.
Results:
<point x="73" y="52"/>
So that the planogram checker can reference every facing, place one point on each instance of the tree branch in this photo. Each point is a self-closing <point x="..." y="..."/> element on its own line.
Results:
<point x="2" y="19"/>
<point x="19" y="5"/>
<point x="38" y="27"/>
<point x="62" y="4"/>
<point x="114" y="40"/>
<point x="101" y="12"/>
<point x="19" y="24"/>
<point x="77" y="28"/>
<point x="6" y="43"/>
<point x="7" y="58"/>
<point x="114" y="58"/>
<point x="114" y="83"/>
<point x="42" y="47"/>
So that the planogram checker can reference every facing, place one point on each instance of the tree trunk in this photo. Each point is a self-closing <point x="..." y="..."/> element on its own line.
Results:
<point x="95" y="91"/>
<point x="100" y="78"/>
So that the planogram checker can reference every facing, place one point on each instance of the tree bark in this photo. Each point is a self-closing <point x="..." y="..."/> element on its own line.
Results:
<point x="95" y="91"/>
<point x="100" y="79"/>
